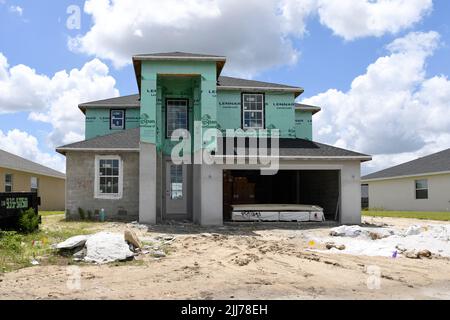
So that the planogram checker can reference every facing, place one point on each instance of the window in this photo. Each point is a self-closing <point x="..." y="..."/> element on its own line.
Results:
<point x="117" y="120"/>
<point x="8" y="183"/>
<point x="253" y="111"/>
<point x="421" y="189"/>
<point x="177" y="115"/>
<point x="108" y="177"/>
<point x="176" y="182"/>
<point x="34" y="184"/>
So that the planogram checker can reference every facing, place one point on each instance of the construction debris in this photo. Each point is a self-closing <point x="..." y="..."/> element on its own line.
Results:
<point x="131" y="237"/>
<point x="72" y="243"/>
<point x="416" y="242"/>
<point x="105" y="247"/>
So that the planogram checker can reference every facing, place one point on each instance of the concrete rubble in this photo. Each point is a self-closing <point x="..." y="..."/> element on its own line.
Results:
<point x="105" y="247"/>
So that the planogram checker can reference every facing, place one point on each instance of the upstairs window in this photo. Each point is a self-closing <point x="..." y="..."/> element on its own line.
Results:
<point x="117" y="120"/>
<point x="34" y="184"/>
<point x="108" y="177"/>
<point x="176" y="115"/>
<point x="252" y="111"/>
<point x="8" y="182"/>
<point x="421" y="189"/>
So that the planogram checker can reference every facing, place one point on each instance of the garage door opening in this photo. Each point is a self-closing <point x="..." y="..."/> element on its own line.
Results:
<point x="288" y="187"/>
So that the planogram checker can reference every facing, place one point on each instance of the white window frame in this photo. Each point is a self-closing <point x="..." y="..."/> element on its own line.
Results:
<point x="186" y="106"/>
<point x="111" y="119"/>
<point x="421" y="189"/>
<point x="262" y="111"/>
<point x="37" y="184"/>
<point x="97" y="193"/>
<point x="9" y="184"/>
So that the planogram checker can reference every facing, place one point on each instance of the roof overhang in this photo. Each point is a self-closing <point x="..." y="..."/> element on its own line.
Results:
<point x="36" y="173"/>
<point x="293" y="158"/>
<point x="418" y="175"/>
<point x="307" y="107"/>
<point x="296" y="91"/>
<point x="63" y="151"/>
<point x="137" y="63"/>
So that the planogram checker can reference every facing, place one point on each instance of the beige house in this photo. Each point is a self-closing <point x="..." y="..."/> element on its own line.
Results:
<point x="419" y="185"/>
<point x="20" y="175"/>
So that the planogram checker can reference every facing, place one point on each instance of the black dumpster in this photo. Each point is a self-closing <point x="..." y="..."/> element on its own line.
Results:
<point x="12" y="204"/>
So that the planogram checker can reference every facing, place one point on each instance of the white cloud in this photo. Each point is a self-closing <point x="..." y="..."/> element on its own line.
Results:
<point x="255" y="35"/>
<point x="393" y="111"/>
<point x="352" y="19"/>
<point x="25" y="145"/>
<point x="54" y="100"/>
<point x="16" y="9"/>
<point x="247" y="32"/>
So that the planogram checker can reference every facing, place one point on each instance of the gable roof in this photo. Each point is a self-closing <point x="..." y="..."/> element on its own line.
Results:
<point x="128" y="140"/>
<point x="13" y="162"/>
<point x="434" y="163"/>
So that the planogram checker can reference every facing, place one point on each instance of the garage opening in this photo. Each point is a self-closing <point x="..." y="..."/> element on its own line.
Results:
<point x="288" y="187"/>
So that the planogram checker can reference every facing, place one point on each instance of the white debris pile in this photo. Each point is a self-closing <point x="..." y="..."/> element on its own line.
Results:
<point x="415" y="242"/>
<point x="107" y="247"/>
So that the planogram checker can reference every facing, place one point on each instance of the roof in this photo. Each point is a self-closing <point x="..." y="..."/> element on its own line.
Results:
<point x="307" y="107"/>
<point x="174" y="56"/>
<point x="13" y="162"/>
<point x="237" y="83"/>
<point x="177" y="55"/>
<point x="300" y="148"/>
<point x="130" y="101"/>
<point x="133" y="101"/>
<point x="434" y="163"/>
<point x="128" y="140"/>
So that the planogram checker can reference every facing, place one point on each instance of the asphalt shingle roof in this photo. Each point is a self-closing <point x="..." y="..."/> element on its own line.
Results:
<point x="126" y="139"/>
<point x="13" y="162"/>
<point x="437" y="162"/>
<point x="129" y="139"/>
<point x="133" y="101"/>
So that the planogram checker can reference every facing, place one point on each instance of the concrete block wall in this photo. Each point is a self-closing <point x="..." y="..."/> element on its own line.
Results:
<point x="80" y="178"/>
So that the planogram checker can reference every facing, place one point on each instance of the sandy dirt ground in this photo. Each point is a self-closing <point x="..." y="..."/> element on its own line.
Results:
<point x="248" y="261"/>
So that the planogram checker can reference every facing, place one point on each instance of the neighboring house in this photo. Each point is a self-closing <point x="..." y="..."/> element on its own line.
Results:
<point x="419" y="185"/>
<point x="124" y="165"/>
<point x="20" y="175"/>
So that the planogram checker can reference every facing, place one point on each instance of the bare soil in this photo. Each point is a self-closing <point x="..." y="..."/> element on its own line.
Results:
<point x="245" y="261"/>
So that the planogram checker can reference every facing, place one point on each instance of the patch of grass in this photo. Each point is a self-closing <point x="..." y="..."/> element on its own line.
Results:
<point x="18" y="250"/>
<point x="438" y="216"/>
<point x="50" y="213"/>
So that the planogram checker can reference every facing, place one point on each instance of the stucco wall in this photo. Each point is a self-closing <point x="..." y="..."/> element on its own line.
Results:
<point x="50" y="189"/>
<point x="399" y="194"/>
<point x="80" y="178"/>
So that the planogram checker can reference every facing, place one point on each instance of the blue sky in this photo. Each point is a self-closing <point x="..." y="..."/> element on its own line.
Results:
<point x="311" y="49"/>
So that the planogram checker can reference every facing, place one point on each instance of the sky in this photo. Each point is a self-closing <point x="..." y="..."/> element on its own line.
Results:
<point x="379" y="69"/>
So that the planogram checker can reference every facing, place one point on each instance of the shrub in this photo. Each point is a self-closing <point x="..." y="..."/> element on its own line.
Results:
<point x="89" y="214"/>
<point x="28" y="221"/>
<point x="82" y="214"/>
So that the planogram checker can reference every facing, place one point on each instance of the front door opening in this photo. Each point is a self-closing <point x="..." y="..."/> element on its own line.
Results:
<point x="307" y="187"/>
<point x="176" y="193"/>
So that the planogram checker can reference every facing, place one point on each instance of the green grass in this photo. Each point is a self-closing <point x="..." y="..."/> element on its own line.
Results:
<point x="18" y="250"/>
<point x="438" y="216"/>
<point x="50" y="213"/>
